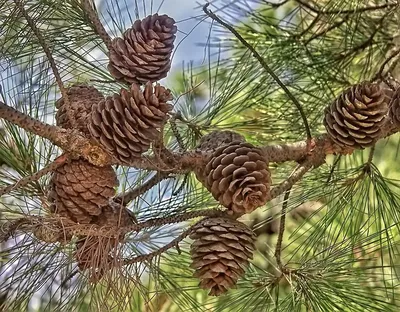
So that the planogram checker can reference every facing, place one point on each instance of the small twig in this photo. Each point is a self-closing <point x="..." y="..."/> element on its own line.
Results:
<point x="176" y="133"/>
<point x="50" y="58"/>
<point x="59" y="161"/>
<point x="379" y="74"/>
<point x="325" y="31"/>
<point x="315" y="159"/>
<point x="278" y="248"/>
<point x="126" y="197"/>
<point x="367" y="165"/>
<point x="108" y="231"/>
<point x="150" y="256"/>
<point x="89" y="9"/>
<point x="314" y="9"/>
<point x="173" y="243"/>
<point x="180" y="188"/>
<point x="264" y="65"/>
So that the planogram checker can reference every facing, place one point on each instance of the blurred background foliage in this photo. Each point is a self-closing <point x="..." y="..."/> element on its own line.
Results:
<point x="342" y="231"/>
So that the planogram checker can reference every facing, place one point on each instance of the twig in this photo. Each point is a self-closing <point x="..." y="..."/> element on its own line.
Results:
<point x="278" y="248"/>
<point x="307" y="5"/>
<point x="50" y="58"/>
<point x="264" y="65"/>
<point x="379" y="74"/>
<point x="176" y="133"/>
<point x="36" y="176"/>
<point x="31" y="222"/>
<point x="367" y="165"/>
<point x="325" y="31"/>
<point x="150" y="256"/>
<point x="315" y="159"/>
<point x="89" y="9"/>
<point x="126" y="197"/>
<point x="180" y="188"/>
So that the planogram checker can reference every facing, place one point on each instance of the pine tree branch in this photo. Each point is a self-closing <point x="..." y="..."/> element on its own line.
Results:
<point x="264" y="64"/>
<point x="59" y="161"/>
<point x="29" y="223"/>
<point x="90" y="10"/>
<point x="70" y="141"/>
<point x="126" y="197"/>
<point x="285" y="152"/>
<point x="51" y="60"/>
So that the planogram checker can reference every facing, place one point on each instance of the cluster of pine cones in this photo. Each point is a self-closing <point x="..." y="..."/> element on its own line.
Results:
<point x="236" y="172"/>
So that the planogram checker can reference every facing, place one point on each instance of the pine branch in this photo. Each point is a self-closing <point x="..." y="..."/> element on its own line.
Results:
<point x="127" y="196"/>
<point x="90" y="10"/>
<point x="264" y="64"/>
<point x="51" y="60"/>
<point x="36" y="176"/>
<point x="31" y="222"/>
<point x="70" y="141"/>
<point x="285" y="152"/>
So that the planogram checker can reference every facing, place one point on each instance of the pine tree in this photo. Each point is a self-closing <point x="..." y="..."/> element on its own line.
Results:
<point x="264" y="179"/>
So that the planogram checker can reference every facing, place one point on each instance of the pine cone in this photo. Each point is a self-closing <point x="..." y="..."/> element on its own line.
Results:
<point x="355" y="118"/>
<point x="144" y="52"/>
<point x="221" y="250"/>
<point x="80" y="190"/>
<point x="126" y="124"/>
<point x="237" y="176"/>
<point x="211" y="142"/>
<point x="81" y="98"/>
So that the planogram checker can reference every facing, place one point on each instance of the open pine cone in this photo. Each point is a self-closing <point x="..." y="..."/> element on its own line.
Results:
<point x="355" y="118"/>
<point x="237" y="176"/>
<point x="82" y="98"/>
<point x="221" y="249"/>
<point x="144" y="52"/>
<point x="127" y="123"/>
<point x="80" y="191"/>
<point x="211" y="141"/>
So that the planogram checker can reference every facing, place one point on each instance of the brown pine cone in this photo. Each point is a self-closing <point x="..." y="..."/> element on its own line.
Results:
<point x="81" y="97"/>
<point x="221" y="249"/>
<point x="80" y="191"/>
<point x="211" y="141"/>
<point x="237" y="176"/>
<point x="355" y="118"/>
<point x="144" y="52"/>
<point x="126" y="123"/>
